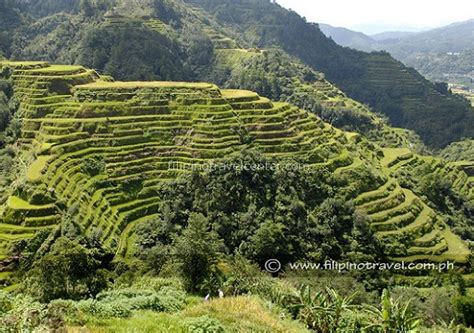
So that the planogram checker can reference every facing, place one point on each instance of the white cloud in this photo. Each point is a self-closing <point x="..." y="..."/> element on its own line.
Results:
<point x="399" y="13"/>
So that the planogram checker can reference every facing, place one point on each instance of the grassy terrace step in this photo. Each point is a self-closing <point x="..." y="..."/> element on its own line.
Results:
<point x="437" y="249"/>
<point x="423" y="222"/>
<point x="457" y="251"/>
<point x="411" y="202"/>
<point x="393" y="156"/>
<point x="428" y="239"/>
<point x="380" y="193"/>
<point x="393" y="200"/>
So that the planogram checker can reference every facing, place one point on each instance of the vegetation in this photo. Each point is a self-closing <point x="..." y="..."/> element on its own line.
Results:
<point x="195" y="185"/>
<point x="156" y="206"/>
<point x="172" y="40"/>
<point x="374" y="78"/>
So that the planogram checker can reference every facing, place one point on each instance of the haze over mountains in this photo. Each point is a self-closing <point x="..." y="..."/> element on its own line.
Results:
<point x="441" y="54"/>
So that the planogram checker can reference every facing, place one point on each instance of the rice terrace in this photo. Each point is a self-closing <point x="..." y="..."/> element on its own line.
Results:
<point x="188" y="166"/>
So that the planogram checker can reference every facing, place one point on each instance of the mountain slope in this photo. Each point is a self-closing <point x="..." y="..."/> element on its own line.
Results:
<point x="391" y="35"/>
<point x="103" y="150"/>
<point x="184" y="38"/>
<point x="376" y="79"/>
<point x="455" y="38"/>
<point x="442" y="54"/>
<point x="349" y="38"/>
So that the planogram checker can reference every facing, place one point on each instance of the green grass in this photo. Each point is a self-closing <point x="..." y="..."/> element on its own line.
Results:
<point x="235" y="314"/>
<point x="35" y="170"/>
<point x="143" y="84"/>
<point x="20" y="204"/>
<point x="57" y="69"/>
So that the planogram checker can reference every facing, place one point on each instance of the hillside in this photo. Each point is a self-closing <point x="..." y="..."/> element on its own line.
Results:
<point x="183" y="41"/>
<point x="391" y="35"/>
<point x="103" y="148"/>
<point x="222" y="166"/>
<point x="373" y="78"/>
<point x="115" y="164"/>
<point x="346" y="37"/>
<point x="443" y="54"/>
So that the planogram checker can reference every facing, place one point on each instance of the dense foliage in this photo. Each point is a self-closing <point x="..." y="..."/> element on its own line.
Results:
<point x="284" y="213"/>
<point x="459" y="151"/>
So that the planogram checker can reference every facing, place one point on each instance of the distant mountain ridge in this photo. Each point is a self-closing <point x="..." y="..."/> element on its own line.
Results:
<point x="392" y="35"/>
<point x="441" y="54"/>
<point x="350" y="38"/>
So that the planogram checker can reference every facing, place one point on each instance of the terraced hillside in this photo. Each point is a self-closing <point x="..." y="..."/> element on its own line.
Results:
<point x="414" y="231"/>
<point x="376" y="79"/>
<point x="279" y="77"/>
<point x="142" y="132"/>
<point x="102" y="148"/>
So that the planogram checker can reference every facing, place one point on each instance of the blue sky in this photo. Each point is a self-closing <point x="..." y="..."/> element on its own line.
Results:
<point x="372" y="16"/>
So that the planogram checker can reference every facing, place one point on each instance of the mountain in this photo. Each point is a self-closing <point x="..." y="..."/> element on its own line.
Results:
<point x="115" y="190"/>
<point x="349" y="38"/>
<point x="373" y="78"/>
<point x="391" y="35"/>
<point x="169" y="40"/>
<point x="454" y="38"/>
<point x="443" y="54"/>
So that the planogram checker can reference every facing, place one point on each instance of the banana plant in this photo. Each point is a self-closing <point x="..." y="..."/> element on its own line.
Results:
<point x="392" y="316"/>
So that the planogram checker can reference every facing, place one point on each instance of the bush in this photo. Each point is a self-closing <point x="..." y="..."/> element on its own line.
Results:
<point x="464" y="306"/>
<point x="94" y="166"/>
<point x="431" y="304"/>
<point x="203" y="324"/>
<point x="104" y="310"/>
<point x="166" y="299"/>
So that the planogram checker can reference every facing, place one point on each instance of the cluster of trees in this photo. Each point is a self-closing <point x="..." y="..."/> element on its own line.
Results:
<point x="283" y="214"/>
<point x="9" y="132"/>
<point x="459" y="151"/>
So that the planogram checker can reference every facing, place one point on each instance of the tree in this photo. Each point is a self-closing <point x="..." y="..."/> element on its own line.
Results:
<point x="69" y="270"/>
<point x="197" y="250"/>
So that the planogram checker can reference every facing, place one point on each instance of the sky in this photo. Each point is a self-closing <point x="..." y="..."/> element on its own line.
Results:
<point x="373" y="16"/>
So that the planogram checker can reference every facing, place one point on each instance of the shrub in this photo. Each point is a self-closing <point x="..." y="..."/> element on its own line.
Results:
<point x="203" y="324"/>
<point x="94" y="166"/>
<point x="105" y="310"/>
<point x="119" y="302"/>
<point x="5" y="302"/>
<point x="432" y="304"/>
<point x="464" y="306"/>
